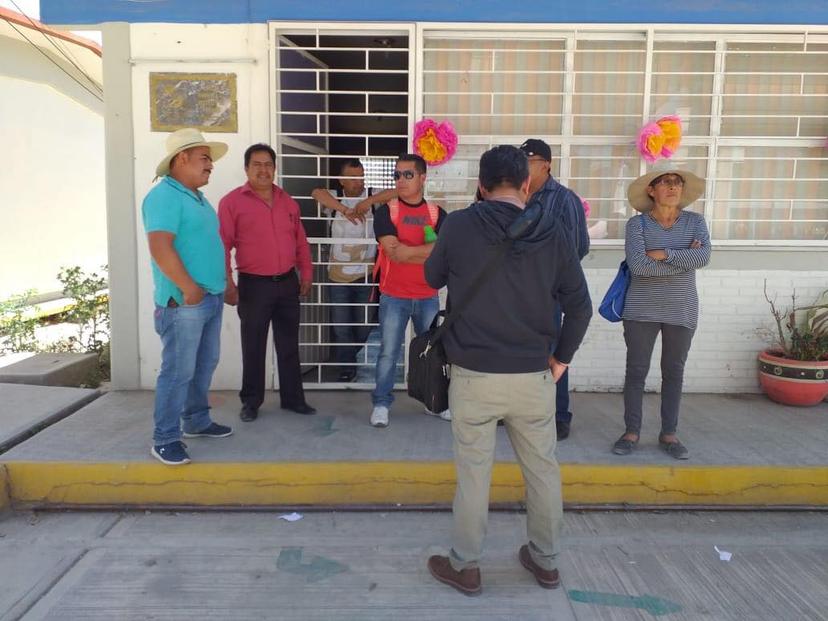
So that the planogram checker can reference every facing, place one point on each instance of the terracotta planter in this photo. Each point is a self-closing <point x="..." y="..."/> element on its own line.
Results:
<point x="793" y="382"/>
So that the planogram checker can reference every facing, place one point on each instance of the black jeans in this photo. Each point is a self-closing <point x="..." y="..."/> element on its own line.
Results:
<point x="262" y="302"/>
<point x="640" y="337"/>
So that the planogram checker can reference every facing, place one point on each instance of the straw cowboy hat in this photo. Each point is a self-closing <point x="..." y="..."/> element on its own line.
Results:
<point x="641" y="201"/>
<point x="184" y="139"/>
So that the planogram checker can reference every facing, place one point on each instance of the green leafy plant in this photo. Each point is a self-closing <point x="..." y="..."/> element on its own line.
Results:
<point x="89" y="310"/>
<point x="17" y="324"/>
<point x="802" y="330"/>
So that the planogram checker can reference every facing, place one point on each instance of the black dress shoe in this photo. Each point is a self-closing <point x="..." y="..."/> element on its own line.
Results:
<point x="563" y="430"/>
<point x="302" y="408"/>
<point x="248" y="414"/>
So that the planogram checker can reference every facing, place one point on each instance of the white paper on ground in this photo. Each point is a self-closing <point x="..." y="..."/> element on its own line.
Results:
<point x="724" y="555"/>
<point x="291" y="517"/>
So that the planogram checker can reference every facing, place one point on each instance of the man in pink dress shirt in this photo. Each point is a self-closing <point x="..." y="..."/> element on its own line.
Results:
<point x="262" y="223"/>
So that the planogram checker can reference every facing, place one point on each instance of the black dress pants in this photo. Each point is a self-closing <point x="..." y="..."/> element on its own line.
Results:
<point x="265" y="300"/>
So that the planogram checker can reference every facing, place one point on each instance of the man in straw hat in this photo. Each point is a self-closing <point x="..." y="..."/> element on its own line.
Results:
<point x="664" y="246"/>
<point x="189" y="278"/>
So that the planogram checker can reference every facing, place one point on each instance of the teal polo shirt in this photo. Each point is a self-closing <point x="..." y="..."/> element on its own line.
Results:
<point x="172" y="208"/>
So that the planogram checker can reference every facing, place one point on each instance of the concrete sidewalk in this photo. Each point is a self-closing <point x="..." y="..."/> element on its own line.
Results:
<point x="26" y="409"/>
<point x="372" y="567"/>
<point x="745" y="451"/>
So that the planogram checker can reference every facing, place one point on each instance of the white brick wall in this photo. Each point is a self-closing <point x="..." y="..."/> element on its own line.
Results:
<point x="735" y="324"/>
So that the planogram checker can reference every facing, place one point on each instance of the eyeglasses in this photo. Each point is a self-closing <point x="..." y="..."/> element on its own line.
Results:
<point x="669" y="181"/>
<point x="408" y="174"/>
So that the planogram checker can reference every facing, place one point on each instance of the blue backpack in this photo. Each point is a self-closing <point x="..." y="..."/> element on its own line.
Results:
<point x="612" y="306"/>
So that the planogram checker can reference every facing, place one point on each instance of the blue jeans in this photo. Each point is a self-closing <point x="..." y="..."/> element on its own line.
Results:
<point x="394" y="314"/>
<point x="189" y="355"/>
<point x="356" y="317"/>
<point x="562" y="413"/>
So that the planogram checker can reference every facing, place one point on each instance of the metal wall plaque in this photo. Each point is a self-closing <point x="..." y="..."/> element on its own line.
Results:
<point x="206" y="101"/>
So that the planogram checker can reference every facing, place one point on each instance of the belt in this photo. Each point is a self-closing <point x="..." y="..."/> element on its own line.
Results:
<point x="274" y="277"/>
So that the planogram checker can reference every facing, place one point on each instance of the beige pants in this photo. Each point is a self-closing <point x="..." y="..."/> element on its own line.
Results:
<point x="526" y="403"/>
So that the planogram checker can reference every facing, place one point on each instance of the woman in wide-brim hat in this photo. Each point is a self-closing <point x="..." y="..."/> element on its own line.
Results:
<point x="665" y="245"/>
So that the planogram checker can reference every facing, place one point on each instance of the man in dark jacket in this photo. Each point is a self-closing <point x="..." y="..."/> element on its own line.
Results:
<point x="569" y="211"/>
<point x="501" y="368"/>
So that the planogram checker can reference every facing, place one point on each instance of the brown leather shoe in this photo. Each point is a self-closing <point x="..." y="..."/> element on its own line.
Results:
<point x="547" y="578"/>
<point x="466" y="581"/>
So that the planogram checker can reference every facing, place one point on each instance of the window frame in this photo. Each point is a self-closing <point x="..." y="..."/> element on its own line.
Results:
<point x="720" y="36"/>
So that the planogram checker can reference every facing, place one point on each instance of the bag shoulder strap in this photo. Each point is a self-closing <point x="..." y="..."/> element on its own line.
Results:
<point x="517" y="229"/>
<point x="394" y="211"/>
<point x="491" y="265"/>
<point x="433" y="213"/>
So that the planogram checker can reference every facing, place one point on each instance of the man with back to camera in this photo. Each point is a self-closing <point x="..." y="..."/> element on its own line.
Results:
<point x="569" y="209"/>
<point x="501" y="367"/>
<point x="189" y="282"/>
<point x="263" y="224"/>
<point x="348" y="271"/>
<point x="400" y="228"/>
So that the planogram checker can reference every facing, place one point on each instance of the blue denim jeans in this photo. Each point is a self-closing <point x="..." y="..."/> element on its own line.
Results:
<point x="189" y="355"/>
<point x="356" y="331"/>
<point x="394" y="314"/>
<point x="562" y="413"/>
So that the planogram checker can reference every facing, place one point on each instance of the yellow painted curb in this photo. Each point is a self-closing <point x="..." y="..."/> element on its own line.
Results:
<point x="5" y="501"/>
<point x="403" y="483"/>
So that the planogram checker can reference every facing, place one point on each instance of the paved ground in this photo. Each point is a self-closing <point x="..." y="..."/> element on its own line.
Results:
<point x="25" y="408"/>
<point x="718" y="429"/>
<point x="366" y="566"/>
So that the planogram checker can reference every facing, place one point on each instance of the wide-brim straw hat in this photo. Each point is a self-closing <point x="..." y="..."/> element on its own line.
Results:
<point x="183" y="139"/>
<point x="641" y="201"/>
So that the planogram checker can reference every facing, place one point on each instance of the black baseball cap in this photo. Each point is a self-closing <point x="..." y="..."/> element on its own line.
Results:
<point x="535" y="146"/>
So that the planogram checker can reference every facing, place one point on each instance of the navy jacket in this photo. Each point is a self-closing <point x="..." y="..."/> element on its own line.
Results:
<point x="509" y="327"/>
<point x="569" y="211"/>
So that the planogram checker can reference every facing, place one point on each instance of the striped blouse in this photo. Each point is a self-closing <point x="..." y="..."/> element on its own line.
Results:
<point x="665" y="291"/>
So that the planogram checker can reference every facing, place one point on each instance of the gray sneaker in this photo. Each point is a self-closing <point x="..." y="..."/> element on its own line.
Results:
<point x="676" y="449"/>
<point x="623" y="446"/>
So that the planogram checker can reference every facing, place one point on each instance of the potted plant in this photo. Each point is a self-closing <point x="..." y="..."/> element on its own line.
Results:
<point x="795" y="370"/>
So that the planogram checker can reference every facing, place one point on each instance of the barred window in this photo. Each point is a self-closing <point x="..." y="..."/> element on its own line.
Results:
<point x="753" y="108"/>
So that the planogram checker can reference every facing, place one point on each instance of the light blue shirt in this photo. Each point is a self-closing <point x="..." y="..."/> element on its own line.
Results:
<point x="172" y="208"/>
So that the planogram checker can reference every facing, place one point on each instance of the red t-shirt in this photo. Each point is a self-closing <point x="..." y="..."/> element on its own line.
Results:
<point x="406" y="280"/>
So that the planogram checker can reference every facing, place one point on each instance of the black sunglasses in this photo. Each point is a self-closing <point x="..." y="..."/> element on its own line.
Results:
<point x="408" y="174"/>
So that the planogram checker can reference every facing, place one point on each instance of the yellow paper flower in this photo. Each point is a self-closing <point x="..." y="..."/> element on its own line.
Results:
<point x="430" y="147"/>
<point x="671" y="129"/>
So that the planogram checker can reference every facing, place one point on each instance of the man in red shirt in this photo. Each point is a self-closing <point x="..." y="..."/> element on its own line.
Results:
<point x="400" y="228"/>
<point x="262" y="222"/>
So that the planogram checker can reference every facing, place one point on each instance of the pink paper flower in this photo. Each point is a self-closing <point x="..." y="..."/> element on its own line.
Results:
<point x="435" y="143"/>
<point x="650" y="142"/>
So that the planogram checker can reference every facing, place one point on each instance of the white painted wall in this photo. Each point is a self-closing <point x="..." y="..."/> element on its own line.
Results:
<point x="735" y="324"/>
<point x="196" y="48"/>
<point x="52" y="199"/>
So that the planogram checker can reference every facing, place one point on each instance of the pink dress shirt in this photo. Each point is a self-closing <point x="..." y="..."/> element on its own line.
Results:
<point x="269" y="239"/>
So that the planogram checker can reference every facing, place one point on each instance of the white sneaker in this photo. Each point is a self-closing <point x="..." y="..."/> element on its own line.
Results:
<point x="444" y="415"/>
<point x="379" y="417"/>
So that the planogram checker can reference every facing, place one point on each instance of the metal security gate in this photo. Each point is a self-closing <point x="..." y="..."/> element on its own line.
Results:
<point x="338" y="92"/>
